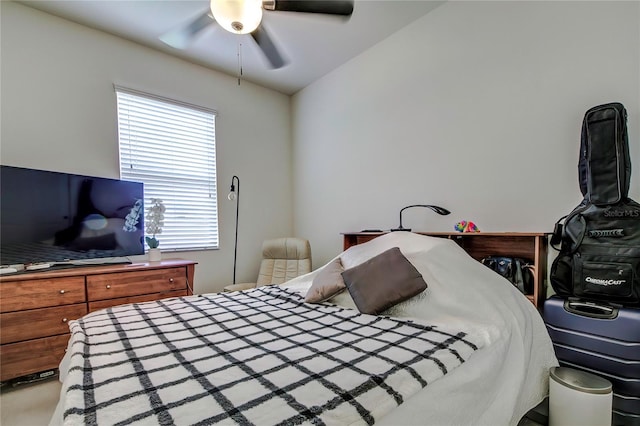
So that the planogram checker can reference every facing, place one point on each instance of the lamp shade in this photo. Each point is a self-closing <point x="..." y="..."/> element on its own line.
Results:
<point x="237" y="16"/>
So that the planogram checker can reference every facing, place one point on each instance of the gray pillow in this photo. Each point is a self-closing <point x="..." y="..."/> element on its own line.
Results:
<point x="327" y="283"/>
<point x="383" y="281"/>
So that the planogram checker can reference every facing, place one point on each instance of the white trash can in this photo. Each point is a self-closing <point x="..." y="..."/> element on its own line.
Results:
<point x="579" y="398"/>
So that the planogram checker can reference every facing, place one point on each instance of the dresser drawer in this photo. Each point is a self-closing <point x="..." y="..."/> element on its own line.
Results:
<point x="101" y="304"/>
<point x="20" y="359"/>
<point x="32" y="294"/>
<point x="35" y="323"/>
<point x="125" y="284"/>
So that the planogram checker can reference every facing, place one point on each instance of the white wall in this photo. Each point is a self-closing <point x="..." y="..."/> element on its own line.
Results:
<point x="59" y="113"/>
<point x="476" y="107"/>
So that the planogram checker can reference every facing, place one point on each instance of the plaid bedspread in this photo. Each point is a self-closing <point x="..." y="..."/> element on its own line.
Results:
<point x="259" y="357"/>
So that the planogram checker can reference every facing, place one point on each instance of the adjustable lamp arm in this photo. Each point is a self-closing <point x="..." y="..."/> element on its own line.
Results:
<point x="440" y="210"/>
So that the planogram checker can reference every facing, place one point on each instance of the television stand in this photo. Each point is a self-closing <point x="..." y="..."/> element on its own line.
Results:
<point x="36" y="306"/>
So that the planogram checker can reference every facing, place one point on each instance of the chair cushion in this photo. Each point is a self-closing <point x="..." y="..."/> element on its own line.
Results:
<point x="283" y="260"/>
<point x="286" y="248"/>
<point x="383" y="281"/>
<point x="327" y="283"/>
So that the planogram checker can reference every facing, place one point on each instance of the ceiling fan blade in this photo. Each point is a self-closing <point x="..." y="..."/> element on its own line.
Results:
<point x="329" y="7"/>
<point x="181" y="37"/>
<point x="267" y="46"/>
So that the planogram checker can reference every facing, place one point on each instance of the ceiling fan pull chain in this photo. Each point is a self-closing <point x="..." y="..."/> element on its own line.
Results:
<point x="239" y="63"/>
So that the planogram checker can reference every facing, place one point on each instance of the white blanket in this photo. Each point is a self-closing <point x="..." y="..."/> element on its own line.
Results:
<point x="262" y="357"/>
<point x="501" y="381"/>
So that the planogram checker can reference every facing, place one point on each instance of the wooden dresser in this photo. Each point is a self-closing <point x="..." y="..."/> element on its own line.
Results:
<point x="36" y="307"/>
<point x="528" y="245"/>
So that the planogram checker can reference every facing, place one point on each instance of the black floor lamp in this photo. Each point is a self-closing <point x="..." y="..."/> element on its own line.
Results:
<point x="235" y="196"/>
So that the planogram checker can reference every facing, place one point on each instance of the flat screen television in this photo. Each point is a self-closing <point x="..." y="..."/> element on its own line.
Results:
<point x="52" y="217"/>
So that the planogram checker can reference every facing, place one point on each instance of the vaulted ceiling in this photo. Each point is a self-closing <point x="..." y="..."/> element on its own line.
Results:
<point x="312" y="44"/>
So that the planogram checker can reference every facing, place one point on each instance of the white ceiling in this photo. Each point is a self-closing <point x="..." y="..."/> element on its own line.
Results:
<point x="313" y="44"/>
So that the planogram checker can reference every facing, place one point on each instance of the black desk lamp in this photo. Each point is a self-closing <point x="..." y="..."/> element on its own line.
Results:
<point x="437" y="209"/>
<point x="233" y="197"/>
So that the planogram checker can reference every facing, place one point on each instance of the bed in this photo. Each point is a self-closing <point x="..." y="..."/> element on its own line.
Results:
<point x="467" y="350"/>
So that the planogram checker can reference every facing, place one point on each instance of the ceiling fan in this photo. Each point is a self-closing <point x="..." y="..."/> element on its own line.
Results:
<point x="245" y="16"/>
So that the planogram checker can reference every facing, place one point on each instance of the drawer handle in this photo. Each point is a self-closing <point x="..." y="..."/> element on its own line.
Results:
<point x="64" y="320"/>
<point x="170" y="280"/>
<point x="61" y="291"/>
<point x="108" y="286"/>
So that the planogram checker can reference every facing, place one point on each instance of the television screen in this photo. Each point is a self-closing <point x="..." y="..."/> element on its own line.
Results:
<point x="59" y="217"/>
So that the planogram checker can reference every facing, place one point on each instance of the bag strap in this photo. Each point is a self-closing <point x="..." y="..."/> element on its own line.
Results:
<point x="573" y="241"/>
<point x="556" y="237"/>
<point x="518" y="277"/>
<point x="569" y="243"/>
<point x="530" y="267"/>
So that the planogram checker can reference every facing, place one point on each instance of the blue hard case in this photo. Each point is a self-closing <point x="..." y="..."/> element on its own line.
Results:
<point x="601" y="339"/>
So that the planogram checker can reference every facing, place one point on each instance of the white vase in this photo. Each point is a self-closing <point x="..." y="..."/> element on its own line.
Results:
<point x="155" y="255"/>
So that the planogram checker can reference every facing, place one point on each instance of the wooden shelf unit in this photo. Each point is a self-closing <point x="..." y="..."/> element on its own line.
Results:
<point x="35" y="307"/>
<point x="528" y="245"/>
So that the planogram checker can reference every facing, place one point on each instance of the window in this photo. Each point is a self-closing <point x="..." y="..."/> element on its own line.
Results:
<point x="170" y="147"/>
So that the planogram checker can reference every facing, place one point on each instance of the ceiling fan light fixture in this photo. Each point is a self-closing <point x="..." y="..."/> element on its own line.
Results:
<point x="237" y="16"/>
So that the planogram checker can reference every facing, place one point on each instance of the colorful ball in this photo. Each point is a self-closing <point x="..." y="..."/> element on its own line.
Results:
<point x="466" y="226"/>
<point x="460" y="226"/>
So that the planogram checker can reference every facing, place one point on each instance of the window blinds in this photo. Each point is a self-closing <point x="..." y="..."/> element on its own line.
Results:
<point x="170" y="147"/>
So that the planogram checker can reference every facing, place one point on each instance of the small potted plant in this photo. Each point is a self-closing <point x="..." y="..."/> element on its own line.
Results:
<point x="154" y="223"/>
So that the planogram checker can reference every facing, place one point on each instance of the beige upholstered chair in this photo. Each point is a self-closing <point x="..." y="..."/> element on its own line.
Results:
<point x="282" y="260"/>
